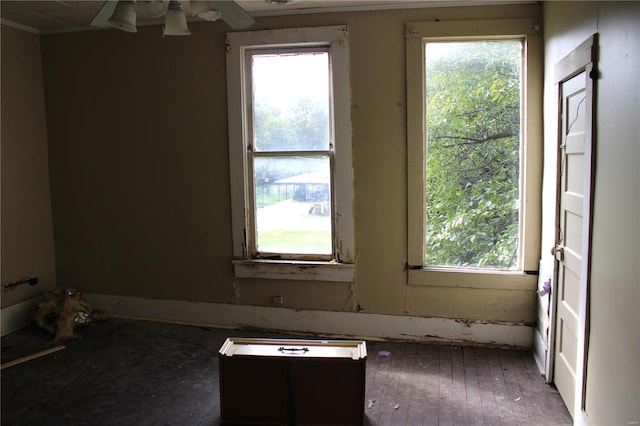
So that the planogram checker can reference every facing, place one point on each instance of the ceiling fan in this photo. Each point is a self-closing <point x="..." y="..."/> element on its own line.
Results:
<point x="122" y="14"/>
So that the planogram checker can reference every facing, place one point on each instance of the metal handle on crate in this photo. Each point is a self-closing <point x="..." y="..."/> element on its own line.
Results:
<point x="282" y="349"/>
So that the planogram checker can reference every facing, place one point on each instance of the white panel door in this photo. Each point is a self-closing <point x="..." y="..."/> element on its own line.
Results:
<point x="570" y="237"/>
<point x="576" y="77"/>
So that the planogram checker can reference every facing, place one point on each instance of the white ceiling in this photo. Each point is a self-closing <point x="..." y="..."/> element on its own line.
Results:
<point x="55" y="16"/>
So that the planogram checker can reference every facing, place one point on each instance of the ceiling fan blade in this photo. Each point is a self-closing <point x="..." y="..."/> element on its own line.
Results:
<point x="103" y="15"/>
<point x="233" y="14"/>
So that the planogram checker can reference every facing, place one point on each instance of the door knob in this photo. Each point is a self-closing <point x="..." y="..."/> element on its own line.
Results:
<point x="558" y="252"/>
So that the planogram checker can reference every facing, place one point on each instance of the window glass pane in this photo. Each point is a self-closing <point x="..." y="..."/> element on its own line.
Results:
<point x="473" y="149"/>
<point x="291" y="101"/>
<point x="293" y="200"/>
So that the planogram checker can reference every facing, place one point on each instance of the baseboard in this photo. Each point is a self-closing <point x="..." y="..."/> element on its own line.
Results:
<point x="14" y="317"/>
<point x="337" y="324"/>
<point x="539" y="351"/>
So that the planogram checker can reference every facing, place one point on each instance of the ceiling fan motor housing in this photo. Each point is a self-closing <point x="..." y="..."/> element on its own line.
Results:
<point x="151" y="8"/>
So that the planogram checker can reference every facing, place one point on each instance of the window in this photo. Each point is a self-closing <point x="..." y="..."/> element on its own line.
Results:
<point x="290" y="153"/>
<point x="472" y="158"/>
<point x="472" y="209"/>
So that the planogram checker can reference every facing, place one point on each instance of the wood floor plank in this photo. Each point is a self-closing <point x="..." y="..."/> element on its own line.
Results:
<point x="399" y="410"/>
<point x="489" y="405"/>
<point x="472" y="387"/>
<point x="459" y="391"/>
<point x="514" y="392"/>
<point x="523" y="373"/>
<point x="377" y="370"/>
<point x="388" y="397"/>
<point x="419" y="370"/>
<point x="445" y="388"/>
<point x="505" y="413"/>
<point x="430" y="359"/>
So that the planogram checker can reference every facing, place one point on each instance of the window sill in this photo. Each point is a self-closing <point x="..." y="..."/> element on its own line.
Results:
<point x="481" y="279"/>
<point x="294" y="270"/>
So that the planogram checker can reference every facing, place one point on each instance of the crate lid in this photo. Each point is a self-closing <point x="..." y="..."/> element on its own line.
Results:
<point x="354" y="349"/>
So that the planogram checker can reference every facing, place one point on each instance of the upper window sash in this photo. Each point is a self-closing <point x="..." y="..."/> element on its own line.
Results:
<point x="307" y="48"/>
<point x="531" y="148"/>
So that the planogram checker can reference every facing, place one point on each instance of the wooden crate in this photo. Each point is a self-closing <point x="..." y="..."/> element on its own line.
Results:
<point x="292" y="381"/>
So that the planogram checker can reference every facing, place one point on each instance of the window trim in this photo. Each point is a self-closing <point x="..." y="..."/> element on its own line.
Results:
<point x="341" y="268"/>
<point x="531" y="152"/>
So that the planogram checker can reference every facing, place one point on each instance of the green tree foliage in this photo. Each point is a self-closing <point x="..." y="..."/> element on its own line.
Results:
<point x="303" y="126"/>
<point x="473" y="140"/>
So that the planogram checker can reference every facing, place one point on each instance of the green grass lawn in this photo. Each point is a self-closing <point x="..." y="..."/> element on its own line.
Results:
<point x="308" y="242"/>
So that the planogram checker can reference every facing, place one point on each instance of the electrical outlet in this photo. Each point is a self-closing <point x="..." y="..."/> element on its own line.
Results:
<point x="277" y="300"/>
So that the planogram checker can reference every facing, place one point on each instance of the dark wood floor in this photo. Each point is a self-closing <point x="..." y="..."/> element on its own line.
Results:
<point x="419" y="384"/>
<point x="143" y="373"/>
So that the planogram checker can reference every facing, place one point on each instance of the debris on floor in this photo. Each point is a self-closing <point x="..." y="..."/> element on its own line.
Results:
<point x="62" y="310"/>
<point x="30" y="357"/>
<point x="371" y="403"/>
<point x="384" y="353"/>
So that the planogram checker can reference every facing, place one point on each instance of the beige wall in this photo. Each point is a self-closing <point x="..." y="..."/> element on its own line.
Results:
<point x="140" y="170"/>
<point x="27" y="231"/>
<point x="613" y="364"/>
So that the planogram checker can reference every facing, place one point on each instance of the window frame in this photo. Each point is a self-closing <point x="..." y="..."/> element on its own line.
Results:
<point x="417" y="34"/>
<point x="252" y="153"/>
<point x="247" y="265"/>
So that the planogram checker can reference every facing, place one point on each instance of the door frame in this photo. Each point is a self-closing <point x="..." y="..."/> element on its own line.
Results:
<point x="582" y="59"/>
